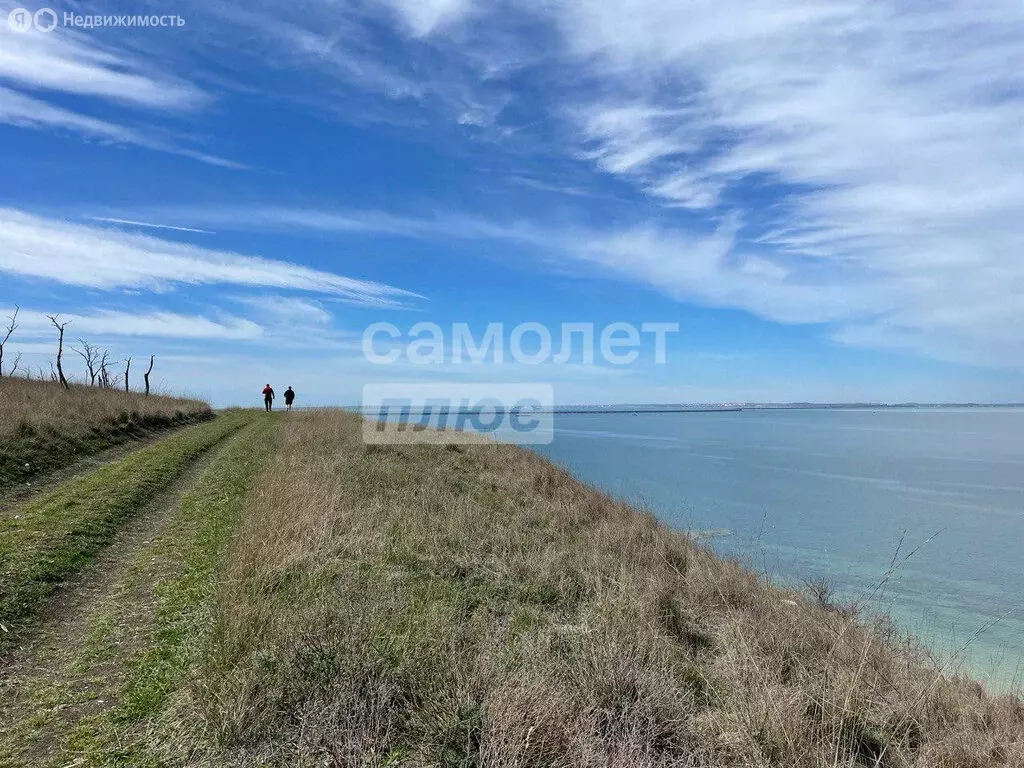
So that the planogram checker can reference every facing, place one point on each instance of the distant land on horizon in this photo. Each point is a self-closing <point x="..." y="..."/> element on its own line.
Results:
<point x="712" y="407"/>
<point x="706" y="407"/>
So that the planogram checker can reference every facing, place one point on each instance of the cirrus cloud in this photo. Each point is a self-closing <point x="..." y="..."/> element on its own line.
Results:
<point x="96" y="257"/>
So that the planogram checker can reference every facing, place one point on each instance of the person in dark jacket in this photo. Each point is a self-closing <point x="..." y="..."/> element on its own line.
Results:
<point x="289" y="397"/>
<point x="268" y="397"/>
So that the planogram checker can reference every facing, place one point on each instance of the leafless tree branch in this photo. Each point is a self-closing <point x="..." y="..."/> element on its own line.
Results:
<point x="90" y="355"/>
<point x="12" y="326"/>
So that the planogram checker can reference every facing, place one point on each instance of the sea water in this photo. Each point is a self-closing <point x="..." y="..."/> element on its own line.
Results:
<point x="917" y="512"/>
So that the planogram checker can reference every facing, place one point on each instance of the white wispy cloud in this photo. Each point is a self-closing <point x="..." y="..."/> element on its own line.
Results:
<point x="18" y="109"/>
<point x="866" y="156"/>
<point x="855" y="163"/>
<point x="287" y="310"/>
<point x="427" y="16"/>
<point x="95" y="257"/>
<point x="349" y="49"/>
<point x="27" y="112"/>
<point x="962" y="310"/>
<point x="350" y="221"/>
<point x="35" y="66"/>
<point x="72" y="62"/>
<point x="34" y="324"/>
<point x="543" y="186"/>
<point x="886" y="132"/>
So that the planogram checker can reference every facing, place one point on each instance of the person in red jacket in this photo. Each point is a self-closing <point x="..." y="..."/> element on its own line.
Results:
<point x="268" y="397"/>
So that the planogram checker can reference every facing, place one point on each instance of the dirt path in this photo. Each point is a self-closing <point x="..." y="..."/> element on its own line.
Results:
<point x="71" y="667"/>
<point x="13" y="497"/>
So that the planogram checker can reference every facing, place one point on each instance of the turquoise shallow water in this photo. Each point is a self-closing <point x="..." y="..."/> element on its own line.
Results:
<point x="808" y="493"/>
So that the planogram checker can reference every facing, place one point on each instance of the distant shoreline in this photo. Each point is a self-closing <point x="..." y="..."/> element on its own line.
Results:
<point x="657" y="408"/>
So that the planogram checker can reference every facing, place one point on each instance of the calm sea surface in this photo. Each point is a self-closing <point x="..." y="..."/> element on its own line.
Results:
<point x="832" y="493"/>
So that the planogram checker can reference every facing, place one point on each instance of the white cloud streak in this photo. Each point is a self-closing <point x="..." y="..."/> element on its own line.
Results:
<point x="71" y="62"/>
<point x="149" y="225"/>
<point x="290" y="311"/>
<point x="305" y="221"/>
<point x="956" y="311"/>
<point x="74" y="254"/>
<point x="28" y="112"/>
<point x="34" y="325"/>
<point x="349" y="49"/>
<point x="889" y="134"/>
<point x="24" y="111"/>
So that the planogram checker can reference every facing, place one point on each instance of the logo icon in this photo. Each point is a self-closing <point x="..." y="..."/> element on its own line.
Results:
<point x="45" y="19"/>
<point x="20" y="20"/>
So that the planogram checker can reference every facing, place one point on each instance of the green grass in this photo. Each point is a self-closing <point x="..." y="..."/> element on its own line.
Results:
<point x="54" y="536"/>
<point x="207" y="516"/>
<point x="196" y="538"/>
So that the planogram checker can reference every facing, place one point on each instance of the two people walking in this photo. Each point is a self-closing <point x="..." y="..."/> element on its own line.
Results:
<point x="268" y="397"/>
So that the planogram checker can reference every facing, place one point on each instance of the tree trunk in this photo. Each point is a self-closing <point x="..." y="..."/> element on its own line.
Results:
<point x="127" y="367"/>
<point x="145" y="376"/>
<point x="60" y="351"/>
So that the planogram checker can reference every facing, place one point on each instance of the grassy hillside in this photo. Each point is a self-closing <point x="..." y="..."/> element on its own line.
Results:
<point x="460" y="606"/>
<point x="44" y="426"/>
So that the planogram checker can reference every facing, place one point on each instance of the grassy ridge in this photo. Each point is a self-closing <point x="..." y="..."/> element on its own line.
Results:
<point x="423" y="605"/>
<point x="55" y="535"/>
<point x="44" y="427"/>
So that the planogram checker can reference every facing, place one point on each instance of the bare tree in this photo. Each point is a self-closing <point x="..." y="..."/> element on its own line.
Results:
<point x="60" y="350"/>
<point x="127" y="368"/>
<point x="14" y="367"/>
<point x="91" y="356"/>
<point x="12" y="326"/>
<point x="104" y="370"/>
<point x="149" y="370"/>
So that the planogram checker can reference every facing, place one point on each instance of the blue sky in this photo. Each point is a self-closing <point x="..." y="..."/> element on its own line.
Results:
<point x="826" y="197"/>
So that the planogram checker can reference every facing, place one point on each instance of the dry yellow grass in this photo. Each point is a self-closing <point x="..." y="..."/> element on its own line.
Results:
<point x="478" y="606"/>
<point x="44" y="426"/>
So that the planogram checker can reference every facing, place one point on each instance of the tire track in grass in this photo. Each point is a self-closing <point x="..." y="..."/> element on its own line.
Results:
<point x="78" y="695"/>
<point x="13" y="498"/>
<point x="63" y="669"/>
<point x="53" y="537"/>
